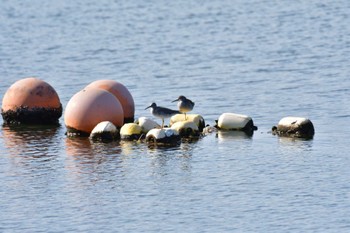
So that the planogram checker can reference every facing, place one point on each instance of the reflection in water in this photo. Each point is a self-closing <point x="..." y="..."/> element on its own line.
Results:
<point x="297" y="144"/>
<point x="129" y="147"/>
<point x="85" y="155"/>
<point x="88" y="163"/>
<point x="232" y="135"/>
<point x="31" y="141"/>
<point x="168" y="160"/>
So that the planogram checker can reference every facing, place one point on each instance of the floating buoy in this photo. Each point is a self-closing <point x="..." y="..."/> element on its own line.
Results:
<point x="147" y="124"/>
<point x="122" y="94"/>
<point x="186" y="129"/>
<point x="104" y="131"/>
<point x="197" y="119"/>
<point x="130" y="131"/>
<point x="232" y="121"/>
<point x="164" y="136"/>
<point x="298" y="127"/>
<point x="89" y="107"/>
<point x="31" y="101"/>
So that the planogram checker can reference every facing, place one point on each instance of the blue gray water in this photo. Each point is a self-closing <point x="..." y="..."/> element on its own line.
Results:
<point x="265" y="59"/>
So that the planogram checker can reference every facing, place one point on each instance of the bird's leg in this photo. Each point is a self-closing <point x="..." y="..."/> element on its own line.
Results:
<point x="185" y="117"/>
<point x="162" y="123"/>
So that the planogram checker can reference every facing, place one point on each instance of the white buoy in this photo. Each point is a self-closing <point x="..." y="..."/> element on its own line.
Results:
<point x="298" y="127"/>
<point x="164" y="136"/>
<point x="233" y="121"/>
<point x="186" y="129"/>
<point x="147" y="124"/>
<point x="130" y="131"/>
<point x="104" y="130"/>
<point x="196" y="118"/>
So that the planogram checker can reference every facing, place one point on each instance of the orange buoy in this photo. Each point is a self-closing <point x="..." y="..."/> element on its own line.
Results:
<point x="31" y="101"/>
<point x="89" y="107"/>
<point x="122" y="94"/>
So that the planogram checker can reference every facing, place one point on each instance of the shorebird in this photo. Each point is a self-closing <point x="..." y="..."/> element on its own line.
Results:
<point x="161" y="112"/>
<point x="184" y="104"/>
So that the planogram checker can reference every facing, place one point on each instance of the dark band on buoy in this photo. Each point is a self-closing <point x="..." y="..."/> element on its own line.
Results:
<point x="38" y="115"/>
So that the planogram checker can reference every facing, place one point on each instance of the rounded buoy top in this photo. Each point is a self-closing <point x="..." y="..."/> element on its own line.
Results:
<point x="91" y="106"/>
<point x="233" y="121"/>
<point x="287" y="121"/>
<point x="162" y="133"/>
<point x="30" y="93"/>
<point x="104" y="126"/>
<point x="104" y="131"/>
<point x="130" y="129"/>
<point x="122" y="94"/>
<point x="147" y="124"/>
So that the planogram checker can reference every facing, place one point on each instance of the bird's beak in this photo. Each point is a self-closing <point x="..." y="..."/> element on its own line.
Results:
<point x="148" y="107"/>
<point x="175" y="100"/>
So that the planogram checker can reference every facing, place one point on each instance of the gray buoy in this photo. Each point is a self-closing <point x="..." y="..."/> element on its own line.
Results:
<point x="297" y="127"/>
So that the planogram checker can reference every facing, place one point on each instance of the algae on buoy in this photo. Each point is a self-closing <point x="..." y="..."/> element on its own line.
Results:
<point x="31" y="101"/>
<point x="186" y="129"/>
<point x="164" y="136"/>
<point x="131" y="131"/>
<point x="104" y="131"/>
<point x="298" y="127"/>
<point x="196" y="118"/>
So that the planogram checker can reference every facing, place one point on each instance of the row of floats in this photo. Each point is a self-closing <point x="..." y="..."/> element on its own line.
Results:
<point x="104" y="110"/>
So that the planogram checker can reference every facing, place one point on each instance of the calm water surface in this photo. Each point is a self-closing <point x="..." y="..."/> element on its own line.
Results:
<point x="266" y="59"/>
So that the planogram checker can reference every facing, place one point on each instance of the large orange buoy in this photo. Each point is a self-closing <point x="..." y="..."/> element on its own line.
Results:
<point x="121" y="92"/>
<point x="31" y="101"/>
<point x="89" y="107"/>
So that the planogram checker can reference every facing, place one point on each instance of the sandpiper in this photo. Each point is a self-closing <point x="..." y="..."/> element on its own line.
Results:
<point x="161" y="112"/>
<point x="184" y="104"/>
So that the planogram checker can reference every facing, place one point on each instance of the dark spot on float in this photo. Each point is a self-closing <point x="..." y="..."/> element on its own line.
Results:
<point x="21" y="104"/>
<point x="295" y="127"/>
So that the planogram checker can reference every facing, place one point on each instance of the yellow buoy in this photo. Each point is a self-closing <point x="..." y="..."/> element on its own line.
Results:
<point x="130" y="131"/>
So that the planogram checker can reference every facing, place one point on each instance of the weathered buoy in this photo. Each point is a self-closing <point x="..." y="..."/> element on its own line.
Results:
<point x="186" y="129"/>
<point x="89" y="107"/>
<point x="147" y="124"/>
<point x="122" y="94"/>
<point x="197" y="119"/>
<point x="209" y="130"/>
<point x="130" y="131"/>
<point x="164" y="136"/>
<point x="31" y="101"/>
<point x="104" y="131"/>
<point x="232" y="121"/>
<point x="298" y="127"/>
